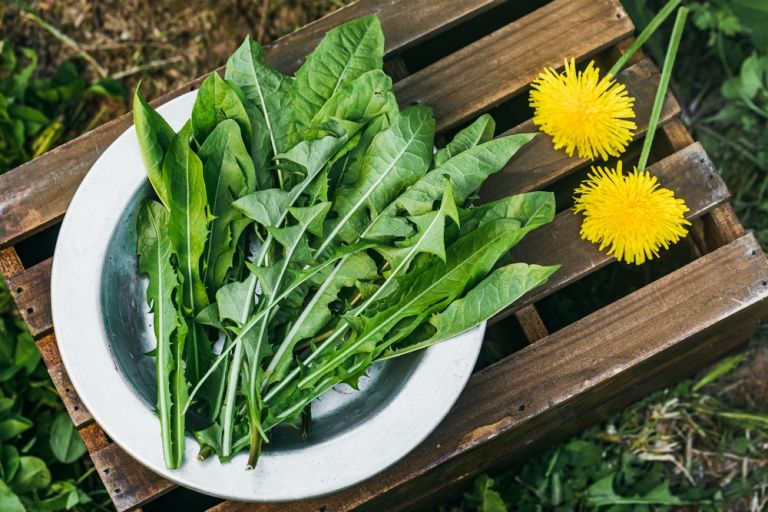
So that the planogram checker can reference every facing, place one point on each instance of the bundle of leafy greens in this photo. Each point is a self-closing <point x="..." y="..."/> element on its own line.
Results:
<point x="304" y="228"/>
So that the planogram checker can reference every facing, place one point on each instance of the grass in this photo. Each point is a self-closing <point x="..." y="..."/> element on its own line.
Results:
<point x="700" y="445"/>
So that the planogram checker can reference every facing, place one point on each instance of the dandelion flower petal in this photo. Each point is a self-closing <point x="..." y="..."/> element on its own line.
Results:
<point x="583" y="112"/>
<point x="629" y="213"/>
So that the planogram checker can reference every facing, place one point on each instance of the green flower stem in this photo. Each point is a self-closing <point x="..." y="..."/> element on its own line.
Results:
<point x="661" y="92"/>
<point x="646" y="34"/>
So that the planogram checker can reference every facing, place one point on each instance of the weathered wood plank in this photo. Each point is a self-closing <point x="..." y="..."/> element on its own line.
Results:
<point x="505" y="62"/>
<point x="531" y="323"/>
<point x="539" y="390"/>
<point x="129" y="484"/>
<point x="689" y="173"/>
<point x="10" y="264"/>
<point x="36" y="194"/>
<point x="538" y="164"/>
<point x="31" y="292"/>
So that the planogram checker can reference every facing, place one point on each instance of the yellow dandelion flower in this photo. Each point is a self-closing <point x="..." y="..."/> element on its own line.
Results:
<point x="583" y="112"/>
<point x="629" y="213"/>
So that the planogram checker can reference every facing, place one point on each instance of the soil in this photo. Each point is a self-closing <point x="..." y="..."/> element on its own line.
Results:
<point x="163" y="43"/>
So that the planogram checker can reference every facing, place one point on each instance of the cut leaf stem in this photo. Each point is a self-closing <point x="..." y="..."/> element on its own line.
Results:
<point x="661" y="92"/>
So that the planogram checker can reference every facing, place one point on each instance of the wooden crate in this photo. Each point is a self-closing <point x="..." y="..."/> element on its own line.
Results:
<point x="551" y="378"/>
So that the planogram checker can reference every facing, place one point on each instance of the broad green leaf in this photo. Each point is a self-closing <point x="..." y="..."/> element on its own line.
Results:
<point x="188" y="231"/>
<point x="466" y="171"/>
<point x="397" y="157"/>
<point x="368" y="96"/>
<point x="33" y="475"/>
<point x="266" y="89"/>
<point x="267" y="207"/>
<point x="12" y="426"/>
<point x="234" y="302"/>
<point x="155" y="261"/>
<point x="9" y="502"/>
<point x="10" y="462"/>
<point x="216" y="101"/>
<point x="345" y="53"/>
<point x="155" y="136"/>
<point x="478" y="132"/>
<point x="65" y="441"/>
<point x="228" y="174"/>
<point x="531" y="210"/>
<point x="490" y="296"/>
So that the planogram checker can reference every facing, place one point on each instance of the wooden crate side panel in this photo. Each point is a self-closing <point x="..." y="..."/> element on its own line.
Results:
<point x="31" y="290"/>
<point x="504" y="406"/>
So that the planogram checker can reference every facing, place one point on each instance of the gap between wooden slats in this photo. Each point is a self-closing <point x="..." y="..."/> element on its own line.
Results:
<point x="534" y="393"/>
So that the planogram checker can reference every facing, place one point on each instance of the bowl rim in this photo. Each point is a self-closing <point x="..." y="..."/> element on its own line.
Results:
<point x="81" y="250"/>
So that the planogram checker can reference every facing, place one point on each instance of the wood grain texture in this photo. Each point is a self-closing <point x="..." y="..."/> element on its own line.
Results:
<point x="530" y="322"/>
<point x="504" y="62"/>
<point x="129" y="484"/>
<point x="689" y="172"/>
<point x="537" y="165"/>
<point x="551" y="384"/>
<point x="36" y="194"/>
<point x="10" y="264"/>
<point x="31" y="292"/>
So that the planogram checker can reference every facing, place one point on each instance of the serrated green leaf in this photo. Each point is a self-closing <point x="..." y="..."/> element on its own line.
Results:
<point x="267" y="90"/>
<point x="232" y="300"/>
<point x="345" y="53"/>
<point x="489" y="297"/>
<point x="479" y="132"/>
<point x="466" y="171"/>
<point x="368" y="96"/>
<point x="155" y="261"/>
<point x="397" y="157"/>
<point x="229" y="174"/>
<point x="65" y="441"/>
<point x="216" y="101"/>
<point x="155" y="136"/>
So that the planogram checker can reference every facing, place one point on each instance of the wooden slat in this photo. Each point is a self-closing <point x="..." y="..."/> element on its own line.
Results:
<point x="31" y="291"/>
<point x="538" y="164"/>
<point x="128" y="483"/>
<point x="544" y="388"/>
<point x="689" y="173"/>
<point x="531" y="323"/>
<point x="10" y="264"/>
<point x="36" y="194"/>
<point x="495" y="68"/>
